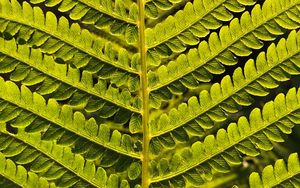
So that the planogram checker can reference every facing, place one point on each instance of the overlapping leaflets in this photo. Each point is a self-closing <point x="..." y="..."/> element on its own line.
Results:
<point x="217" y="153"/>
<point x="124" y="93"/>
<point x="120" y="19"/>
<point x="240" y="38"/>
<point x="277" y="65"/>
<point x="195" y="21"/>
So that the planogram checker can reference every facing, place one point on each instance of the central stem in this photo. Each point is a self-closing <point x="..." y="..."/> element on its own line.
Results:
<point x="145" y="96"/>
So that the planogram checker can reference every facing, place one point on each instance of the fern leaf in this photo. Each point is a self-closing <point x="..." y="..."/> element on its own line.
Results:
<point x="70" y="174"/>
<point x="58" y="122"/>
<point x="245" y="136"/>
<point x="148" y="93"/>
<point x="67" y="44"/>
<point x="282" y="174"/>
<point x="159" y="4"/>
<point x="154" y="9"/>
<point x="41" y="164"/>
<point x="113" y="14"/>
<point x="19" y="175"/>
<point x="187" y="26"/>
<point x="271" y="68"/>
<point x="221" y="49"/>
<point x="30" y="68"/>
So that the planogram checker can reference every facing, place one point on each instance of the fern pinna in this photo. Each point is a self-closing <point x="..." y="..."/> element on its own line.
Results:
<point x="149" y="93"/>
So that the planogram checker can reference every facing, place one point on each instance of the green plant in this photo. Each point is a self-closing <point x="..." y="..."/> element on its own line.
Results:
<point x="153" y="93"/>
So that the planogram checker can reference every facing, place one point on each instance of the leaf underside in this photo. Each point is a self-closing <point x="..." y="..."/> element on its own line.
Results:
<point x="149" y="93"/>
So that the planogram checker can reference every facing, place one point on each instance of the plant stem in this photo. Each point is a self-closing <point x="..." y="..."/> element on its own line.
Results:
<point x="145" y="96"/>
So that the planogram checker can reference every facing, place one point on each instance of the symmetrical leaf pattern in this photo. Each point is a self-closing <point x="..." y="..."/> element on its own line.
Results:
<point x="247" y="137"/>
<point x="257" y="78"/>
<point x="237" y="39"/>
<point x="149" y="93"/>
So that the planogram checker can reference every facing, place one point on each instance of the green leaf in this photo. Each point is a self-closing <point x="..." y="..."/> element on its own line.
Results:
<point x="284" y="173"/>
<point x="148" y="94"/>
<point x="238" y="39"/>
<point x="134" y="171"/>
<point x="244" y="137"/>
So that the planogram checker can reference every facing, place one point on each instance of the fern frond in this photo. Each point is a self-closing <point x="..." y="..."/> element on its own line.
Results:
<point x="101" y="14"/>
<point x="149" y="93"/>
<point x="281" y="175"/>
<point x="30" y="68"/>
<point x="79" y="172"/>
<point x="245" y="136"/>
<point x="30" y="111"/>
<point x="270" y="68"/>
<point x="44" y="162"/>
<point x="187" y="26"/>
<point x="221" y="49"/>
<point x="67" y="44"/>
<point x="20" y="176"/>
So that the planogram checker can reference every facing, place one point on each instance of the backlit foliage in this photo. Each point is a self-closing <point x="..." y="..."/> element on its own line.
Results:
<point x="149" y="93"/>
